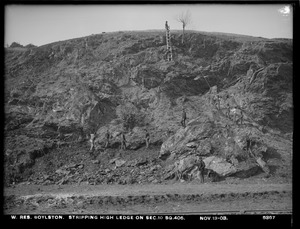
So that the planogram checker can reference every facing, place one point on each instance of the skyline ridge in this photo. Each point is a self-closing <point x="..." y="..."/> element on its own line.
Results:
<point x="46" y="24"/>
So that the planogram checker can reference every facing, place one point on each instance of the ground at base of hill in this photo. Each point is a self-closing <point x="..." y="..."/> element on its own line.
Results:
<point x="178" y="198"/>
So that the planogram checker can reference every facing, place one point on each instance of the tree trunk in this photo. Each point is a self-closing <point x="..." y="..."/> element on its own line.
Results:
<point x="182" y="41"/>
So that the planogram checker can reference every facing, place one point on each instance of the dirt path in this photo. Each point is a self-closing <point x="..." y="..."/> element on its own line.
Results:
<point x="135" y="199"/>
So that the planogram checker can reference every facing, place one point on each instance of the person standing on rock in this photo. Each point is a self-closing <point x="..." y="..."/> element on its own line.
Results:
<point x="235" y="114"/>
<point x="107" y="137"/>
<point x="243" y="108"/>
<point x="227" y="106"/>
<point x="147" y="139"/>
<point x="201" y="168"/>
<point x="227" y="130"/>
<point x="123" y="140"/>
<point x="227" y="111"/>
<point x="248" y="142"/>
<point x="92" y="141"/>
<point x="241" y="116"/>
<point x="183" y="119"/>
<point x="216" y="101"/>
<point x="166" y="25"/>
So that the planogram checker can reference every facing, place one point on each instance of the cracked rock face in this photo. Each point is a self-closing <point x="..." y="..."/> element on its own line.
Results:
<point x="58" y="94"/>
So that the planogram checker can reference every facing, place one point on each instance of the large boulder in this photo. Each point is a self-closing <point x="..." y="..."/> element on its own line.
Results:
<point x="186" y="166"/>
<point x="118" y="162"/>
<point x="219" y="165"/>
<point x="183" y="166"/>
<point x="136" y="138"/>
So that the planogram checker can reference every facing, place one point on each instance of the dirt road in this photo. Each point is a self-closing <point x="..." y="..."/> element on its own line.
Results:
<point x="144" y="199"/>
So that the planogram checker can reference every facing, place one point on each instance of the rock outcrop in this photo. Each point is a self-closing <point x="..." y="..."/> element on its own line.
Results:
<point x="61" y="92"/>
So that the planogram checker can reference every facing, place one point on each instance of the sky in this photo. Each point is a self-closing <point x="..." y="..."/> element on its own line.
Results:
<point x="43" y="24"/>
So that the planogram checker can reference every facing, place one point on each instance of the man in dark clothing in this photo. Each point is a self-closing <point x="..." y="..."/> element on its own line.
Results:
<point x="201" y="167"/>
<point x="248" y="144"/>
<point x="218" y="102"/>
<point x="227" y="111"/>
<point x="227" y="105"/>
<point x="183" y="118"/>
<point x="166" y="25"/>
<point x="227" y="130"/>
<point x="214" y="100"/>
<point x="81" y="136"/>
<point x="243" y="108"/>
<point x="107" y="137"/>
<point x="123" y="141"/>
<point x="241" y="116"/>
<point x="147" y="139"/>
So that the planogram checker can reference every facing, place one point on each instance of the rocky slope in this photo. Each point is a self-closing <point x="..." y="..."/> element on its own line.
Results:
<point x="59" y="93"/>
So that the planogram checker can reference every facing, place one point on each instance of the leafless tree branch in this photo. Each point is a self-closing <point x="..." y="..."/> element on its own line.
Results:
<point x="185" y="19"/>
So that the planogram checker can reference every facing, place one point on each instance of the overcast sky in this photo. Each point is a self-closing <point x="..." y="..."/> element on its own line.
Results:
<point x="44" y="24"/>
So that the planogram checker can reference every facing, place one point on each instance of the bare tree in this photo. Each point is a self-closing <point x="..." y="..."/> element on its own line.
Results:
<point x="185" y="19"/>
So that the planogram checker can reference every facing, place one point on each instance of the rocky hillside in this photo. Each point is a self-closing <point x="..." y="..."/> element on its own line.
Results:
<point x="59" y="93"/>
